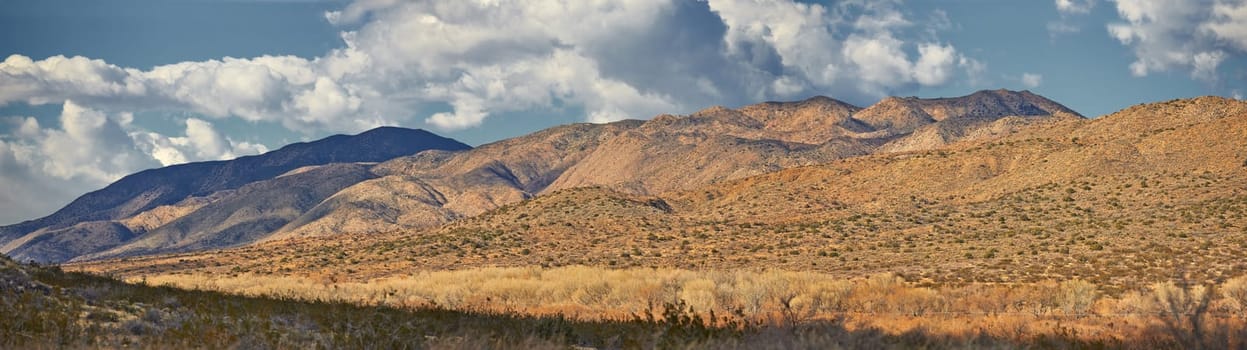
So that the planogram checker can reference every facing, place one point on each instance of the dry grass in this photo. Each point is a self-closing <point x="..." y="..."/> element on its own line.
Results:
<point x="1019" y="312"/>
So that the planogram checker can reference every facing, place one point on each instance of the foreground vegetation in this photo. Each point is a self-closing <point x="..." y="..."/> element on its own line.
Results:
<point x="1073" y="311"/>
<point x="49" y="308"/>
<point x="46" y="308"/>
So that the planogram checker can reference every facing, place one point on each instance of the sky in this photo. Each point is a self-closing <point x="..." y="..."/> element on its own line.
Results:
<point x="91" y="91"/>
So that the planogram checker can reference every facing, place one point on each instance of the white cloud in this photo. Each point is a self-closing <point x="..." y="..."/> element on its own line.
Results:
<point x="974" y="69"/>
<point x="485" y="58"/>
<point x="1068" y="9"/>
<point x="1031" y="80"/>
<point x="935" y="64"/>
<point x="1229" y="22"/>
<point x="1181" y="34"/>
<point x="1075" y="6"/>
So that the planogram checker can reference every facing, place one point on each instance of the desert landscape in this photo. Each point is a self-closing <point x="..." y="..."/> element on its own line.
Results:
<point x="718" y="174"/>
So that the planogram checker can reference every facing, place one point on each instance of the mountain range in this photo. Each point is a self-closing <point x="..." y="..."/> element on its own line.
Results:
<point x="398" y="180"/>
<point x="1151" y="193"/>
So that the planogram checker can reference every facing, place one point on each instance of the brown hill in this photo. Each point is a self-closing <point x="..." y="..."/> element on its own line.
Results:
<point x="1145" y="194"/>
<point x="660" y="156"/>
<point x="433" y="188"/>
<point x="672" y="153"/>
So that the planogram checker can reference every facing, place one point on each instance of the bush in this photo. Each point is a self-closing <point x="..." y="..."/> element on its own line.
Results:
<point x="1235" y="293"/>
<point x="1076" y="297"/>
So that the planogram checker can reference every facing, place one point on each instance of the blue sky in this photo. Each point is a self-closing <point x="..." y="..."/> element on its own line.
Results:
<point x="93" y="90"/>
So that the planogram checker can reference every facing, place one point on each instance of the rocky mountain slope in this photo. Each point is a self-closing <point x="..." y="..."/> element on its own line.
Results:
<point x="151" y="198"/>
<point x="427" y="189"/>
<point x="717" y="144"/>
<point x="667" y="153"/>
<point x="1153" y="192"/>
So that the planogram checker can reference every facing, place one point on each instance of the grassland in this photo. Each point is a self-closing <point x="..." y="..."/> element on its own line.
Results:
<point x="49" y="308"/>
<point x="1021" y="313"/>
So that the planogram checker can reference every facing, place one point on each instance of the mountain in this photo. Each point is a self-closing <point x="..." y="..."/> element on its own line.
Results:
<point x="663" y="155"/>
<point x="1123" y="200"/>
<point x="157" y="193"/>
<point x="674" y="153"/>
<point x="432" y="188"/>
<point x="667" y="153"/>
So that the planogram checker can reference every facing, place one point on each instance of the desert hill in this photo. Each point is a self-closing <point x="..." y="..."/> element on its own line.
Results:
<point x="1142" y="195"/>
<point x="670" y="153"/>
<point x="432" y="188"/>
<point x="664" y="154"/>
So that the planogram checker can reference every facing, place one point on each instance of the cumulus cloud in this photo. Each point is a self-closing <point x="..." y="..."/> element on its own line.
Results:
<point x="1195" y="35"/>
<point x="402" y="60"/>
<point x="1031" y="80"/>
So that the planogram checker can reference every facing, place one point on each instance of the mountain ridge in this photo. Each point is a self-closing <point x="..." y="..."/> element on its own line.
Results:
<point x="662" y="155"/>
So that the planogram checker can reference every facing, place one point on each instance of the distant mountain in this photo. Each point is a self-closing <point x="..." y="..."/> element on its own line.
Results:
<point x="166" y="187"/>
<point x="184" y="210"/>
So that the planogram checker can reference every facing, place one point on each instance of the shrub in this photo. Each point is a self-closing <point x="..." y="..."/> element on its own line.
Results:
<point x="1183" y="311"/>
<point x="1235" y="293"/>
<point x="1076" y="297"/>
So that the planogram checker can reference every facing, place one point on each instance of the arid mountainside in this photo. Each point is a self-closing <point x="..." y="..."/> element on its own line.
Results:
<point x="432" y="188"/>
<point x="672" y="153"/>
<point x="1150" y="193"/>
<point x="427" y="189"/>
<point x="664" y="154"/>
<point x="152" y="198"/>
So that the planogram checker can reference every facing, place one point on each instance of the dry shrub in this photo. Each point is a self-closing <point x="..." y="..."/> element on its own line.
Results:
<point x="1135" y="303"/>
<point x="1235" y="295"/>
<point x="1076" y="297"/>
<point x="1183" y="311"/>
<point x="830" y="296"/>
<point x="700" y="294"/>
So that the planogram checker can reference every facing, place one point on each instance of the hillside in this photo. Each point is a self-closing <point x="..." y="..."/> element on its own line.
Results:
<point x="666" y="153"/>
<point x="1150" y="193"/>
<point x="674" y="153"/>
<point x="432" y="188"/>
<point x="150" y="198"/>
<point x="427" y="189"/>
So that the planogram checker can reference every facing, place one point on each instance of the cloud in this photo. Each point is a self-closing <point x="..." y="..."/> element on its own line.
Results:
<point x="1068" y="9"/>
<point x="1229" y="23"/>
<point x="408" y="61"/>
<point x="42" y="167"/>
<point x="1195" y="35"/>
<point x="1075" y="6"/>
<point x="1031" y="80"/>
<point x="1061" y="27"/>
